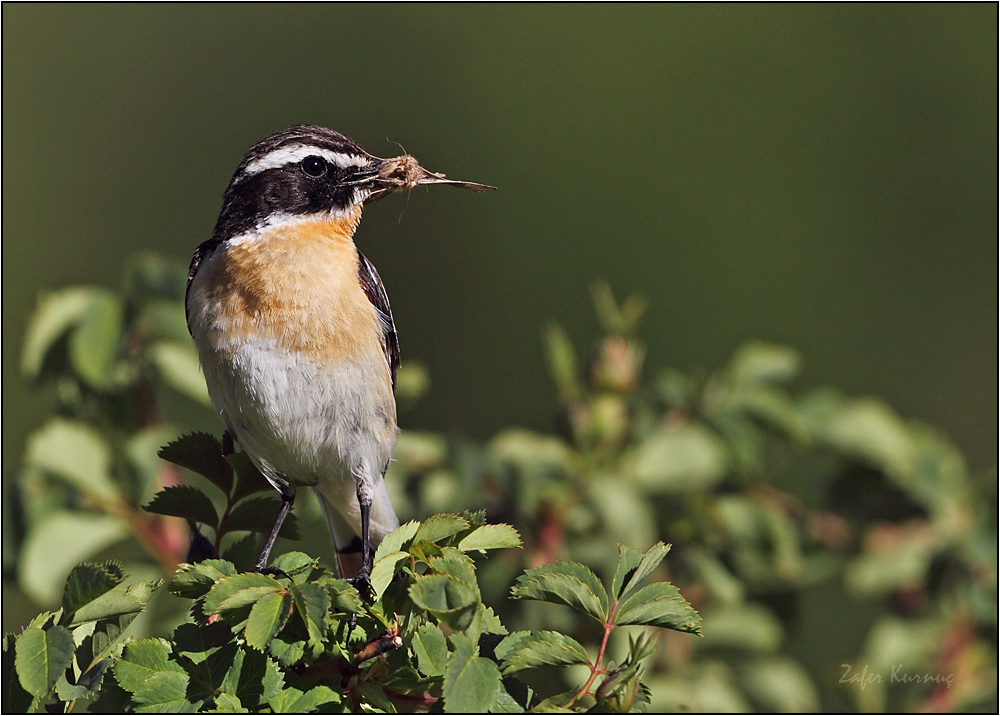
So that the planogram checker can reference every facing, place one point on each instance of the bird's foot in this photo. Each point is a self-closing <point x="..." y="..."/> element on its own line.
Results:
<point x="271" y="571"/>
<point x="362" y="582"/>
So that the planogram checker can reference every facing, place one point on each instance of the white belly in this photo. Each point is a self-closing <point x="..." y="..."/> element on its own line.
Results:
<point x="303" y="421"/>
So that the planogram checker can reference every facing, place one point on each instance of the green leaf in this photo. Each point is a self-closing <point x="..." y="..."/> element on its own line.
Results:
<point x="119" y="602"/>
<point x="55" y="314"/>
<point x="267" y="618"/>
<point x="873" y="431"/>
<point x="177" y="364"/>
<point x="249" y="479"/>
<point x="242" y="552"/>
<point x="94" y="344"/>
<point x="184" y="501"/>
<point x="164" y="692"/>
<point x="201" y="453"/>
<point x="491" y="537"/>
<point x="431" y="650"/>
<point x="41" y="656"/>
<point x="258" y="514"/>
<point x="628" y="559"/>
<point x="659" y="604"/>
<point x="681" y="459"/>
<point x="471" y="683"/>
<point x="253" y="678"/>
<point x="453" y="601"/>
<point x="649" y="562"/>
<point x="438" y="527"/>
<point x="199" y="642"/>
<point x="384" y="570"/>
<point x="57" y="543"/>
<point x="455" y="564"/>
<point x="312" y="602"/>
<point x="344" y="597"/>
<point x="87" y="582"/>
<point x="568" y="583"/>
<point x="561" y="357"/>
<point x="297" y="565"/>
<point x="141" y="660"/>
<point x="76" y="453"/>
<point x="195" y="580"/>
<point x="397" y="539"/>
<point x="749" y="627"/>
<point x="228" y="704"/>
<point x="13" y="697"/>
<point x="238" y="591"/>
<point x="291" y="700"/>
<point x="543" y="648"/>
<point x="758" y="362"/>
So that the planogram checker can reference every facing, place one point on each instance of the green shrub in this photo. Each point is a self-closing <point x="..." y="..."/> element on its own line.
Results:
<point x="793" y="516"/>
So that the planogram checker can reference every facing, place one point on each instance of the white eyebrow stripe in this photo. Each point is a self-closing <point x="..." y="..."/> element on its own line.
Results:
<point x="298" y="152"/>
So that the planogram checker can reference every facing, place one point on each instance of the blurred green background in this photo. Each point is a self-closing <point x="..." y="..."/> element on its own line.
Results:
<point x="821" y="176"/>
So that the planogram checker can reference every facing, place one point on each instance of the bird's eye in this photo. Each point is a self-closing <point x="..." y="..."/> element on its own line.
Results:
<point x="314" y="166"/>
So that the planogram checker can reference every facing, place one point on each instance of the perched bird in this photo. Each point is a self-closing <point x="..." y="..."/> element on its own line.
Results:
<point x="294" y="332"/>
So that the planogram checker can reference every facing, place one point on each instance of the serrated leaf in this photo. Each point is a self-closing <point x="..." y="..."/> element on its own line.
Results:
<point x="491" y="537"/>
<point x="436" y="528"/>
<point x="453" y="601"/>
<point x="568" y="583"/>
<point x="94" y="344"/>
<point x="13" y="697"/>
<point x="384" y="570"/>
<point x="177" y="364"/>
<point x="198" y="642"/>
<point x="544" y="648"/>
<point x="297" y="565"/>
<point x="395" y="540"/>
<point x="659" y="604"/>
<point x="249" y="479"/>
<point x="164" y="692"/>
<point x="201" y="453"/>
<point x="344" y="597"/>
<point x="253" y="678"/>
<point x="628" y="559"/>
<point x="267" y="618"/>
<point x="141" y="660"/>
<point x="471" y="682"/>
<point x="41" y="656"/>
<point x="86" y="582"/>
<point x="238" y="591"/>
<point x="195" y="580"/>
<point x="119" y="602"/>
<point x="228" y="704"/>
<point x="650" y="561"/>
<point x="75" y="453"/>
<point x="312" y="602"/>
<point x="291" y="700"/>
<point x="431" y="650"/>
<point x="184" y="501"/>
<point x="455" y="564"/>
<point x="57" y="543"/>
<point x="258" y="514"/>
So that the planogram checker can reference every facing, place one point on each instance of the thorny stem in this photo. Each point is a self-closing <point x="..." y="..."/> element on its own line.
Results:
<point x="595" y="668"/>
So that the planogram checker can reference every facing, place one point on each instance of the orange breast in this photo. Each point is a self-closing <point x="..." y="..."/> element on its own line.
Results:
<point x="297" y="284"/>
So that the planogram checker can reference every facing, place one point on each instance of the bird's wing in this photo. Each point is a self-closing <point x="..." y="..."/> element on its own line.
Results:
<point x="204" y="249"/>
<point x="371" y="284"/>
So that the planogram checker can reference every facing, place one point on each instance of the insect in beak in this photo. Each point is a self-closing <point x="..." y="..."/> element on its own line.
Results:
<point x="404" y="172"/>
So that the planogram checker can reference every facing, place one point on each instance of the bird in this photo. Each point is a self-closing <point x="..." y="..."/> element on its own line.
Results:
<point x="295" y="335"/>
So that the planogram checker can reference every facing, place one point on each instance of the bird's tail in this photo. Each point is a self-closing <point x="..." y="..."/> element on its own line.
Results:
<point x="343" y="517"/>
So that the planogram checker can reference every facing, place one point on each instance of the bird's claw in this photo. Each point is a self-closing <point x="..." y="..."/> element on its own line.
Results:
<point x="272" y="571"/>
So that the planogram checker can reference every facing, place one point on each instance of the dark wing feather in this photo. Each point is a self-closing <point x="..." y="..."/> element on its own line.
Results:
<point x="371" y="284"/>
<point x="200" y="253"/>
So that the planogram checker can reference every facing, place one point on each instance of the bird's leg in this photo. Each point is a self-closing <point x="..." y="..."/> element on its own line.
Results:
<point x="362" y="581"/>
<point x="287" y="499"/>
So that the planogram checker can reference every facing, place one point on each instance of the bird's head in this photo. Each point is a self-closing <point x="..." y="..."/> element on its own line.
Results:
<point x="307" y="171"/>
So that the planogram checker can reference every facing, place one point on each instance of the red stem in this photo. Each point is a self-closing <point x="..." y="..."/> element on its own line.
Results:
<point x="595" y="669"/>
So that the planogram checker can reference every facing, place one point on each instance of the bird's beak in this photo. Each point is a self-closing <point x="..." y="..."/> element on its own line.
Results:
<point x="385" y="176"/>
